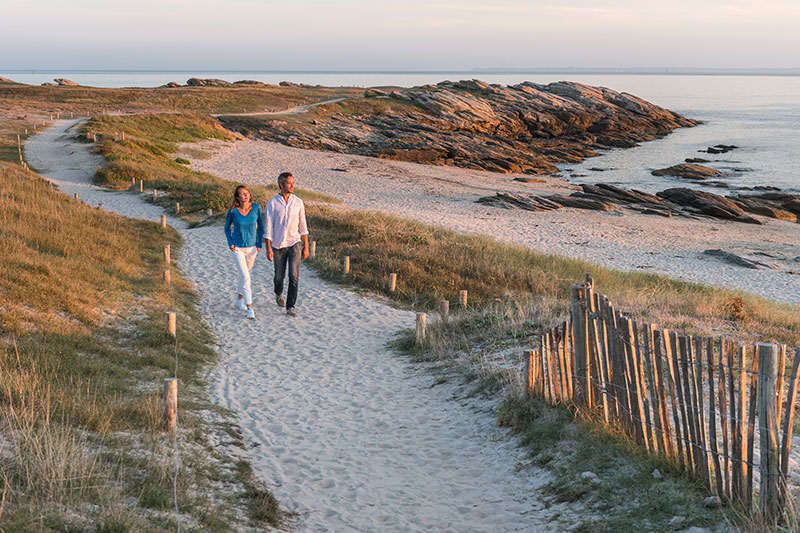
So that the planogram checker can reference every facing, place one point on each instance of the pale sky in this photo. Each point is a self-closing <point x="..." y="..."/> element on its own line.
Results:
<point x="397" y="35"/>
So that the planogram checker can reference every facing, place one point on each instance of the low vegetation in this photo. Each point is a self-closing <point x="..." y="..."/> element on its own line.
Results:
<point x="147" y="153"/>
<point x="83" y="353"/>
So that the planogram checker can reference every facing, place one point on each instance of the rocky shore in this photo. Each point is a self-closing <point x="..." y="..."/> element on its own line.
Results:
<point x="679" y="201"/>
<point x="526" y="128"/>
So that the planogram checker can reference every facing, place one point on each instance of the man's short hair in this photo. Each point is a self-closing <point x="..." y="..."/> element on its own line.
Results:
<point x="283" y="177"/>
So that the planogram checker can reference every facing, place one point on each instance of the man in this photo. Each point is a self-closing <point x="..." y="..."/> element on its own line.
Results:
<point x="286" y="238"/>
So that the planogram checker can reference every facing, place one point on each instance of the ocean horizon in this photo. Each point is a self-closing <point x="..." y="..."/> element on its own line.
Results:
<point x="757" y="112"/>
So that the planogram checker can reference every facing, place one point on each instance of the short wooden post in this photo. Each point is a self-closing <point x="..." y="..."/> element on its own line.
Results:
<point x="444" y="310"/>
<point x="392" y="282"/>
<point x="141" y="185"/>
<point x="166" y="277"/>
<point x="133" y="182"/>
<point x="163" y="221"/>
<point x="166" y="254"/>
<point x="171" y="403"/>
<point x="313" y="249"/>
<point x="75" y="196"/>
<point x="171" y="322"/>
<point x="462" y="299"/>
<point x="209" y="212"/>
<point x="177" y="208"/>
<point x="420" y="327"/>
<point x="768" y="424"/>
<point x="155" y="194"/>
<point x="347" y="264"/>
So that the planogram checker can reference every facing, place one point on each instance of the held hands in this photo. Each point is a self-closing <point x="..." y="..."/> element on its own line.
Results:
<point x="233" y="248"/>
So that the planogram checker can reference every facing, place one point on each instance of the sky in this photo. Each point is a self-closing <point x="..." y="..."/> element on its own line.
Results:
<point x="398" y="35"/>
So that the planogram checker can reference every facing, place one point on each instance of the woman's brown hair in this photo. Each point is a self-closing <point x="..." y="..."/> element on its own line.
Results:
<point x="238" y="188"/>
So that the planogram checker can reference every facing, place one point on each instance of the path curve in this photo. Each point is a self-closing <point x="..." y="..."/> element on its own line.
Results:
<point x="348" y="435"/>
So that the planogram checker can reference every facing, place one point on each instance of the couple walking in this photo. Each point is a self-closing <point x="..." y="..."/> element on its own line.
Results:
<point x="282" y="227"/>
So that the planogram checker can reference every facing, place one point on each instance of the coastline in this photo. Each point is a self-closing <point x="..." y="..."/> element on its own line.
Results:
<point x="446" y="196"/>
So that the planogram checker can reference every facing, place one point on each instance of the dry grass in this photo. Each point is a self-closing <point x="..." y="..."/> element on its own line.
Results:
<point x="434" y="263"/>
<point x="147" y="153"/>
<point x="82" y="357"/>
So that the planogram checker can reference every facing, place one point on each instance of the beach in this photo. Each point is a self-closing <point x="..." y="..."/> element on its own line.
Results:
<point x="447" y="197"/>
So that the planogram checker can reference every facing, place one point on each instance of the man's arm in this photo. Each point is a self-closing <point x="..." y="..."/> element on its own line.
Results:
<point x="268" y="248"/>
<point x="305" y="245"/>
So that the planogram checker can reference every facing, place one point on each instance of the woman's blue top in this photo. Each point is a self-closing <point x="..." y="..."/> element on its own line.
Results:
<point x="245" y="231"/>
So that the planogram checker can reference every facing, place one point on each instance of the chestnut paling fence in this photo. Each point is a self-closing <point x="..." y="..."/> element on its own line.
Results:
<point x="722" y="410"/>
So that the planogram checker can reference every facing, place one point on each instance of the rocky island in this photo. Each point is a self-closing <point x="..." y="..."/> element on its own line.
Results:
<point x="525" y="128"/>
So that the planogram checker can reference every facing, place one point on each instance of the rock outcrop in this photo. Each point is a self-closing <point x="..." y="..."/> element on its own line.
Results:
<point x="684" y="202"/>
<point x="6" y="80"/>
<point x="525" y="128"/>
<point x="691" y="171"/>
<point x="209" y="82"/>
<point x="66" y="83"/>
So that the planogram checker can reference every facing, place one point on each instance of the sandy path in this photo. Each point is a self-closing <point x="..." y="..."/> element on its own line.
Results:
<point x="446" y="196"/>
<point x="348" y="435"/>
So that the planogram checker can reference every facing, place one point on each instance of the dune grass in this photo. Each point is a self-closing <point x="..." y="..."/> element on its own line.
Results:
<point x="148" y="153"/>
<point x="83" y="353"/>
<point x="433" y="263"/>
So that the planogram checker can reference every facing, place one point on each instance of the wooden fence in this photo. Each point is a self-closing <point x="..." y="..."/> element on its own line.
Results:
<point x="696" y="400"/>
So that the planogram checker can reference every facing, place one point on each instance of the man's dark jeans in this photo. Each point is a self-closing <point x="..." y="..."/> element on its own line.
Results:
<point x="292" y="256"/>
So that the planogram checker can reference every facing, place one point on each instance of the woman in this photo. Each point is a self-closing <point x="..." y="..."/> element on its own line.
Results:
<point x="244" y="229"/>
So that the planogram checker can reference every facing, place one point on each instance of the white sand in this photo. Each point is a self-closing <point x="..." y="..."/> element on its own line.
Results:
<point x="446" y="196"/>
<point x="346" y="434"/>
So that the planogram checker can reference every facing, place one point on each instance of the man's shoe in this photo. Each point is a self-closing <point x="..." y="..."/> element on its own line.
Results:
<point x="291" y="312"/>
<point x="250" y="313"/>
<point x="240" y="305"/>
<point x="279" y="300"/>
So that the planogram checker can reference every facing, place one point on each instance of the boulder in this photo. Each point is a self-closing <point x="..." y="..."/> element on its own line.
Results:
<point x="691" y="171"/>
<point x="287" y="84"/>
<point x="250" y="82"/>
<point x="696" y="160"/>
<point x="49" y="84"/>
<point x="707" y="203"/>
<point x="170" y="85"/>
<point x="597" y="204"/>
<point x="372" y="93"/>
<point x="766" y="208"/>
<point x="736" y="259"/>
<point x="6" y="80"/>
<point x="66" y="83"/>
<point x="210" y="82"/>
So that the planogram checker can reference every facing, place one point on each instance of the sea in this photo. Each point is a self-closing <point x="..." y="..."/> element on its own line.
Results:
<point x="759" y="114"/>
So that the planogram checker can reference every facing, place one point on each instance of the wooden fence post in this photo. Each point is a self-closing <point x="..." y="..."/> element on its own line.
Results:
<point x="462" y="299"/>
<point x="583" y="365"/>
<point x="786" y="446"/>
<point x="444" y="310"/>
<point x="166" y="254"/>
<point x="392" y="282"/>
<point x="768" y="425"/>
<point x="141" y="185"/>
<point x="420" y="336"/>
<point x="313" y="253"/>
<point x="171" y="323"/>
<point x="347" y="264"/>
<point x="171" y="403"/>
<point x="177" y="208"/>
<point x="163" y="222"/>
<point x="166" y="278"/>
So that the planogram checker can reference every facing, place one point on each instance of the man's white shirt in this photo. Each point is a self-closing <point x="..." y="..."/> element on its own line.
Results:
<point x="285" y="221"/>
